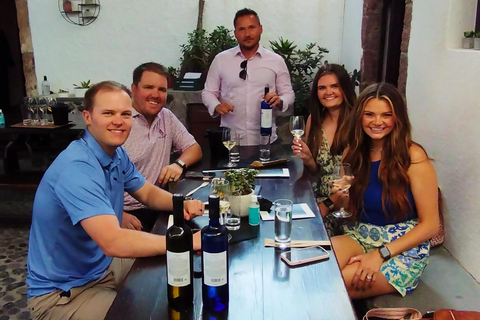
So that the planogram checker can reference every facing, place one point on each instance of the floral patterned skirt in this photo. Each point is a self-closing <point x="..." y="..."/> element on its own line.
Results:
<point x="402" y="271"/>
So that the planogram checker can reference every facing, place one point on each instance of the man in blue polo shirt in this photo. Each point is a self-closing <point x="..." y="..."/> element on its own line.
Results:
<point x="76" y="242"/>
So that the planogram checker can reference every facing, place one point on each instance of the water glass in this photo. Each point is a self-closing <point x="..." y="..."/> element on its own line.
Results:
<point x="264" y="148"/>
<point x="283" y="222"/>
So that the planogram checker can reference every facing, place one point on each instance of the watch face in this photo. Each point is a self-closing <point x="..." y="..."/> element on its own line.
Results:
<point x="385" y="253"/>
<point x="181" y="163"/>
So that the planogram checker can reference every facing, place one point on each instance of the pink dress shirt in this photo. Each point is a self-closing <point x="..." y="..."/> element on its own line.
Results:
<point x="149" y="147"/>
<point x="224" y="85"/>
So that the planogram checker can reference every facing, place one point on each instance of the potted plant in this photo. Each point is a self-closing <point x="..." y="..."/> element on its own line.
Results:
<point x="476" y="41"/>
<point x="81" y="89"/>
<point x="172" y="74"/>
<point x="63" y="93"/>
<point x="241" y="186"/>
<point x="467" y="41"/>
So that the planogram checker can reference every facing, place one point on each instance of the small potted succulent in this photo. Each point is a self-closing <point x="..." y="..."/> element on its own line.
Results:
<point x="81" y="89"/>
<point x="241" y="186"/>
<point x="63" y="93"/>
<point x="476" y="41"/>
<point x="467" y="41"/>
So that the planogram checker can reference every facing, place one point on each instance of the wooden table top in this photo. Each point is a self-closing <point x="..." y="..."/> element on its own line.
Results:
<point x="261" y="285"/>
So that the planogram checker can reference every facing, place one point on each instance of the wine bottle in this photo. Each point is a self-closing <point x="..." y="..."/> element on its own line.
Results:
<point x="215" y="260"/>
<point x="179" y="242"/>
<point x="45" y="86"/>
<point x="266" y="116"/>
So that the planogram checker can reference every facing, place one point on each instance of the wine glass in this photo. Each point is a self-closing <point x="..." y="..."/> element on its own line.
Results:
<point x="221" y="187"/>
<point x="297" y="126"/>
<point x="229" y="139"/>
<point x="342" y="178"/>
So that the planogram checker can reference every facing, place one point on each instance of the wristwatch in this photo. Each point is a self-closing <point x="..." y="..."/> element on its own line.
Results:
<point x="329" y="203"/>
<point x="181" y="164"/>
<point x="384" y="253"/>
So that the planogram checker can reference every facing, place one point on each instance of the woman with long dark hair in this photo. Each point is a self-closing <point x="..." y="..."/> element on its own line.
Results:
<point x="331" y="102"/>
<point x="393" y="198"/>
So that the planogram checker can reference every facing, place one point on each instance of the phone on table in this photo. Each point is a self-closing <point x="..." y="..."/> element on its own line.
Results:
<point x="298" y="257"/>
<point x="199" y="175"/>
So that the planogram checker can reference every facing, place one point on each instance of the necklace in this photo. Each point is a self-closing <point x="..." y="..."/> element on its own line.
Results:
<point x="373" y="150"/>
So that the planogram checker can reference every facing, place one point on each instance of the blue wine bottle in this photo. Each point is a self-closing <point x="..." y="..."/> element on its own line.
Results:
<point x="214" y="260"/>
<point x="179" y="243"/>
<point x="266" y="116"/>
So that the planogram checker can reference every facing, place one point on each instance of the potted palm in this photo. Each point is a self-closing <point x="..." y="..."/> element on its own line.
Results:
<point x="81" y="89"/>
<point x="241" y="186"/>
<point x="467" y="41"/>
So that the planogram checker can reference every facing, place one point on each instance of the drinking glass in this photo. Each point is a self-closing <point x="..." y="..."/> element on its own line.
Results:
<point x="33" y="106"/>
<point x="297" y="126"/>
<point x="221" y="187"/>
<point x="283" y="222"/>
<point x="42" y="108"/>
<point x="264" y="148"/>
<point x="342" y="178"/>
<point x="229" y="139"/>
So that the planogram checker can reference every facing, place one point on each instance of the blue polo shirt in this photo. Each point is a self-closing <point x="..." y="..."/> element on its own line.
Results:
<point x="82" y="182"/>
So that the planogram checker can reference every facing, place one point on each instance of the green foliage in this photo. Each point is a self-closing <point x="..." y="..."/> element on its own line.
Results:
<point x="469" y="34"/>
<point x="477" y="34"/>
<point x="355" y="76"/>
<point x="241" y="180"/>
<point x="201" y="48"/>
<point x="172" y="71"/>
<point x="83" y="85"/>
<point x="302" y="65"/>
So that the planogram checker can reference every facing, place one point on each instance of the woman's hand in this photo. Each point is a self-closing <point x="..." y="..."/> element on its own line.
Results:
<point x="369" y="265"/>
<point x="301" y="150"/>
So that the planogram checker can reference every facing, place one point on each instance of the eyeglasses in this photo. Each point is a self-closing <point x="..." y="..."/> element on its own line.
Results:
<point x="243" y="73"/>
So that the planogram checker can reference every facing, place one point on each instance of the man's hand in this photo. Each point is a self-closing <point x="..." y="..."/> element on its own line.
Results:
<point x="192" y="209"/>
<point x="273" y="99"/>
<point x="129" y="221"/>
<point x="170" y="173"/>
<point x="197" y="241"/>
<point x="224" y="108"/>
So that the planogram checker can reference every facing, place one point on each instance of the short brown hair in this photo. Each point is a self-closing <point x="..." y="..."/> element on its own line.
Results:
<point x="148" y="66"/>
<point x="103" y="86"/>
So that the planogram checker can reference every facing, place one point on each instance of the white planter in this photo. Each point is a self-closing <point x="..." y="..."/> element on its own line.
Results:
<point x="239" y="204"/>
<point x="80" y="92"/>
<point x="467" y="43"/>
<point x="476" y="43"/>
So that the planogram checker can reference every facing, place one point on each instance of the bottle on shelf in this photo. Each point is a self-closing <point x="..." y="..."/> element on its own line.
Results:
<point x="266" y="116"/>
<point x="215" y="291"/>
<point x="254" y="211"/>
<point x="2" y="119"/>
<point x="45" y="86"/>
<point x="179" y="244"/>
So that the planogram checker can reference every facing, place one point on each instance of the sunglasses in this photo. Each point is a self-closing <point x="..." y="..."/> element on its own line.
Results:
<point x="243" y="74"/>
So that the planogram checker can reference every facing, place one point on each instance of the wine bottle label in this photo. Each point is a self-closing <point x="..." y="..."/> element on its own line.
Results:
<point x="178" y="272"/>
<point x="215" y="268"/>
<point x="266" y="119"/>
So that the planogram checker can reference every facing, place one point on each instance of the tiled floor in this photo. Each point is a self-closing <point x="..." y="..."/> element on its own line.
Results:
<point x="15" y="215"/>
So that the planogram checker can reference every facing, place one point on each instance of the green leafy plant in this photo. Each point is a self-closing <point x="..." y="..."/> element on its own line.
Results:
<point x="172" y="71"/>
<point x="477" y="34"/>
<point x="83" y="85"/>
<point x="241" y="180"/>
<point x="469" y="34"/>
<point x="202" y="47"/>
<point x="302" y="65"/>
<point x="63" y="91"/>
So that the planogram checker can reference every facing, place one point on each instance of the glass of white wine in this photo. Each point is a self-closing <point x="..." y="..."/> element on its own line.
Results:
<point x="297" y="126"/>
<point x="229" y="139"/>
<point x="342" y="178"/>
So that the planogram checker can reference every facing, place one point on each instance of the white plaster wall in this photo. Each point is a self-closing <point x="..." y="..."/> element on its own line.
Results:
<point x="443" y="95"/>
<point x="130" y="32"/>
<point x="352" y="52"/>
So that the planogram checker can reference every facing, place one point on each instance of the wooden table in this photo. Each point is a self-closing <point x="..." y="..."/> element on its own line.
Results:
<point x="261" y="285"/>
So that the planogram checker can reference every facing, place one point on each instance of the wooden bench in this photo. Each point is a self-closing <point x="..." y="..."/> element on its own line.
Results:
<point x="444" y="284"/>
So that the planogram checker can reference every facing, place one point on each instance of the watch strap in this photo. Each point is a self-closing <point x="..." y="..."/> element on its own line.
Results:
<point x="181" y="164"/>
<point x="329" y="203"/>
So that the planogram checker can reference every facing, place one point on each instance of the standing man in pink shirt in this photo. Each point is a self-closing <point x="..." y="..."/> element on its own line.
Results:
<point x="155" y="133"/>
<point x="237" y="78"/>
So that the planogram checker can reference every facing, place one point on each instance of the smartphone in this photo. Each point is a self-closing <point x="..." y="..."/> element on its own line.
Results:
<point x="199" y="175"/>
<point x="297" y="257"/>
